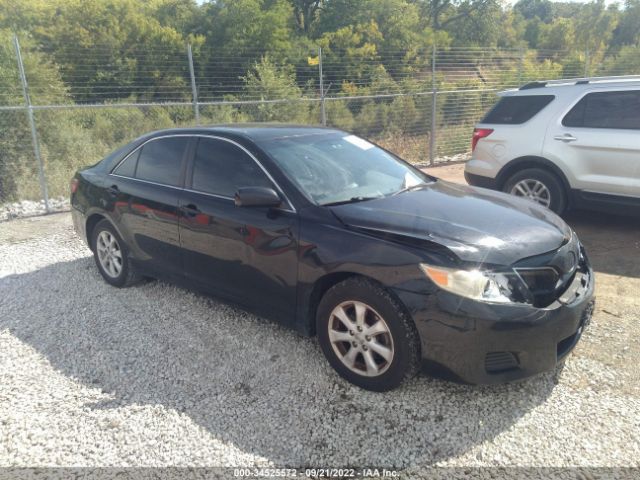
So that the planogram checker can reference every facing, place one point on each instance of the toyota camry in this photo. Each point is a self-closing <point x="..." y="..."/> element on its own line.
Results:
<point x="390" y="268"/>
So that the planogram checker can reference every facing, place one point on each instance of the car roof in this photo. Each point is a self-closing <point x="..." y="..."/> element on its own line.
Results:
<point x="547" y="87"/>
<point x="252" y="131"/>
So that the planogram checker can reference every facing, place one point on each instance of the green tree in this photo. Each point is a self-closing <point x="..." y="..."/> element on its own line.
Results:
<point x="181" y="15"/>
<point x="306" y="13"/>
<point x="400" y="22"/>
<point x="530" y="9"/>
<point x="106" y="49"/>
<point x="350" y="53"/>
<point x="594" y="26"/>
<point x="267" y="81"/>
<point x="446" y="13"/>
<point x="63" y="142"/>
<point x="240" y="32"/>
<point x="628" y="30"/>
<point x="249" y="28"/>
<point x="625" y="62"/>
<point x="476" y="22"/>
<point x="558" y="35"/>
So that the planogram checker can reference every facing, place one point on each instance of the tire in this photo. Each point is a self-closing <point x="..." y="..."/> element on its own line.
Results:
<point x="122" y="273"/>
<point x="556" y="195"/>
<point x="400" y="336"/>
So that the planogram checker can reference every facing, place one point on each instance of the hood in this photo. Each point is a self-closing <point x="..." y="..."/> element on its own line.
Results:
<point x="477" y="225"/>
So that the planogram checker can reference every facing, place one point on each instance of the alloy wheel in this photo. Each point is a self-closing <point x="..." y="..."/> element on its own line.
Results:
<point x="361" y="338"/>
<point x="109" y="254"/>
<point x="533" y="190"/>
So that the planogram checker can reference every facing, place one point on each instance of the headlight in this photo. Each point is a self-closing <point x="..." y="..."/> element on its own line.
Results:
<point x="475" y="284"/>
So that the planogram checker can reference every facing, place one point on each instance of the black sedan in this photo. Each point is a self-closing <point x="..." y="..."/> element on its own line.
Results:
<point x="331" y="235"/>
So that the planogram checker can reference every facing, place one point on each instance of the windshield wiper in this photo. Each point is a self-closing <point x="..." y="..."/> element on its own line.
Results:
<point x="351" y="200"/>
<point x="408" y="189"/>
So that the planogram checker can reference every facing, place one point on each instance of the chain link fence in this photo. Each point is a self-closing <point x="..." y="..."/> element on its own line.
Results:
<point x="56" y="119"/>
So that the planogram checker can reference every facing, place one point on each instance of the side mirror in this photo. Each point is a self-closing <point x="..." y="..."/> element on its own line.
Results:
<point x="257" y="197"/>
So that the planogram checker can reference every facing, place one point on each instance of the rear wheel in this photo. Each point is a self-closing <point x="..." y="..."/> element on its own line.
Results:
<point x="366" y="335"/>
<point x="112" y="256"/>
<point x="538" y="185"/>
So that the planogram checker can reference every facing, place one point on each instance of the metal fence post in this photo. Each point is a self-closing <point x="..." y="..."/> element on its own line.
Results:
<point x="586" y="62"/>
<point x="323" y="113"/>
<point x="434" y="95"/>
<point x="521" y="66"/>
<point x="194" y="89"/>
<point x="32" y="125"/>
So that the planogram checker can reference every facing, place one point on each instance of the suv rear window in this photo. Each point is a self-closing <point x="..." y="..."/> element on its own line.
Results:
<point x="606" y="110"/>
<point x="516" y="110"/>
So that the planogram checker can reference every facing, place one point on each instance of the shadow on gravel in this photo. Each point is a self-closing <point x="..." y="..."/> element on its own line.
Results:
<point x="247" y="381"/>
<point x="612" y="242"/>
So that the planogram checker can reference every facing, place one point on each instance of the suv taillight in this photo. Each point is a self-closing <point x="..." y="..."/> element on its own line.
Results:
<point x="479" y="133"/>
<point x="73" y="185"/>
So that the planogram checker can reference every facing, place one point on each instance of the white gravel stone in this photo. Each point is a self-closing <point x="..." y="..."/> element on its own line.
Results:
<point x="28" y="208"/>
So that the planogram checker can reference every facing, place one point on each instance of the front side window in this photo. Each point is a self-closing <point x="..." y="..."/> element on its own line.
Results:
<point x="620" y="110"/>
<point x="333" y="167"/>
<point x="221" y="168"/>
<point x="160" y="160"/>
<point x="517" y="109"/>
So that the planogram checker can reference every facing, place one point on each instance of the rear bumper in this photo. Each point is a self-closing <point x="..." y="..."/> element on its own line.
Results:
<point x="79" y="224"/>
<point x="480" y="181"/>
<point x="484" y="343"/>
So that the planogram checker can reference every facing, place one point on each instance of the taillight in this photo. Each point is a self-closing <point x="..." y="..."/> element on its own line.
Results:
<point x="73" y="185"/>
<point x="479" y="133"/>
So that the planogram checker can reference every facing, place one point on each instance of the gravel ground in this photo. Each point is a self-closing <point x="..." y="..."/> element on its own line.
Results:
<point x="155" y="375"/>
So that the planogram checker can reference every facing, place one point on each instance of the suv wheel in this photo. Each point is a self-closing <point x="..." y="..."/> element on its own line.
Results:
<point x="112" y="256"/>
<point x="539" y="185"/>
<point x="366" y="336"/>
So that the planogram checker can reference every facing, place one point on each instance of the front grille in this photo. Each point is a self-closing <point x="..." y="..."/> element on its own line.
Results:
<point x="498" y="362"/>
<point x="542" y="284"/>
<point x="549" y="276"/>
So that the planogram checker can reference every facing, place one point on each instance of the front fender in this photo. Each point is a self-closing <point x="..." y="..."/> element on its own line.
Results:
<point x="330" y="253"/>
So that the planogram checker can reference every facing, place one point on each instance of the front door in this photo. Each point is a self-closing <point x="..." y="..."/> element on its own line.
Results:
<point x="247" y="254"/>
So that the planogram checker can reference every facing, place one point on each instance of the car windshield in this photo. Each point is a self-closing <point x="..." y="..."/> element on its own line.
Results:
<point x="334" y="168"/>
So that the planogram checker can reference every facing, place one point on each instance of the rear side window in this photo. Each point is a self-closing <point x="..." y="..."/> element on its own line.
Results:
<point x="516" y="110"/>
<point x="128" y="167"/>
<point x="160" y="160"/>
<point x="221" y="168"/>
<point x="619" y="110"/>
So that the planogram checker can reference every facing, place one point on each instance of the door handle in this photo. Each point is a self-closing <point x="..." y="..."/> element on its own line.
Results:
<point x="113" y="190"/>
<point x="190" y="210"/>
<point x="567" y="137"/>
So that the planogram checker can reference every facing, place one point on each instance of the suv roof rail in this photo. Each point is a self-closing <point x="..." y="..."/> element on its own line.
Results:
<point x="533" y="85"/>
<point x="579" y="81"/>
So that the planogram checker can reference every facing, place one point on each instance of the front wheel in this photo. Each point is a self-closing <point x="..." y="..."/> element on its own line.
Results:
<point x="366" y="335"/>
<point x="538" y="185"/>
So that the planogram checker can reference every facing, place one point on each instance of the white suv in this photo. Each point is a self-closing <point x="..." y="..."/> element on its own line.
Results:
<point x="563" y="143"/>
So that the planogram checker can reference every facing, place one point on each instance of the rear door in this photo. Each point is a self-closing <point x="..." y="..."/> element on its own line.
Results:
<point x="247" y="254"/>
<point x="598" y="141"/>
<point x="146" y="187"/>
